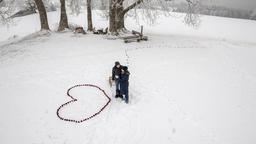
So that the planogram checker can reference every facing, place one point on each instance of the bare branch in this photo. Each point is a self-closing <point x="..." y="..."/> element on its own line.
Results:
<point x="132" y="6"/>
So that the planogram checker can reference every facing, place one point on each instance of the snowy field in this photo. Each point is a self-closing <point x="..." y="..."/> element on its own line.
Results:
<point x="187" y="86"/>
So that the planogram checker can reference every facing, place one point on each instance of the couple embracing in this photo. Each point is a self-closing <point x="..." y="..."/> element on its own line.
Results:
<point x="120" y="75"/>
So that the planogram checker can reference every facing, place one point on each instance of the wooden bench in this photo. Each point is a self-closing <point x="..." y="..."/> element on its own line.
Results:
<point x="137" y="36"/>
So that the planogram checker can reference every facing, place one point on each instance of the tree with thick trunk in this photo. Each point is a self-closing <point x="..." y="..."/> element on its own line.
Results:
<point x="89" y="15"/>
<point x="117" y="13"/>
<point x="42" y="14"/>
<point x="63" y="17"/>
<point x="119" y="8"/>
<point x="112" y="16"/>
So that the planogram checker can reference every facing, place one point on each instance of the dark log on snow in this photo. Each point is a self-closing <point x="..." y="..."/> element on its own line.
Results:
<point x="80" y="30"/>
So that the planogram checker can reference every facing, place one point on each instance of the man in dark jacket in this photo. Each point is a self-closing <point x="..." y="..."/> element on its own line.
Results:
<point x="116" y="73"/>
<point x="124" y="83"/>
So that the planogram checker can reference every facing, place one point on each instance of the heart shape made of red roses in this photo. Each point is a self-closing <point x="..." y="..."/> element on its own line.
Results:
<point x="74" y="100"/>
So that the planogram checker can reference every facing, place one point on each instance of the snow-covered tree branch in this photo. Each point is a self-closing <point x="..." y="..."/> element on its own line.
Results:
<point x="192" y="15"/>
<point x="6" y="10"/>
<point x="150" y="8"/>
<point x="75" y="6"/>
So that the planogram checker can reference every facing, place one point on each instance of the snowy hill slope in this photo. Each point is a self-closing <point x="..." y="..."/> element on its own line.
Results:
<point x="183" y="89"/>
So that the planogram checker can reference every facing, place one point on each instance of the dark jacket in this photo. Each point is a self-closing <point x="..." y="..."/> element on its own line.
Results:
<point x="124" y="81"/>
<point x="116" y="72"/>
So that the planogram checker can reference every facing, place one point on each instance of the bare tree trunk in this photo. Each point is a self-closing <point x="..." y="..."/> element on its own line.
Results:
<point x="89" y="15"/>
<point x="117" y="14"/>
<point x="43" y="15"/>
<point x="63" y="17"/>
<point x="112" y="17"/>
<point x="120" y="22"/>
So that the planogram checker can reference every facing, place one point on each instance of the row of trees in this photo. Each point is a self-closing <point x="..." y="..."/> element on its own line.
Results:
<point x="215" y="10"/>
<point x="117" y="10"/>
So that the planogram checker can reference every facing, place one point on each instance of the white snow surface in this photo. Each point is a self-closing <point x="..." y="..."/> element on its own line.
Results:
<point x="187" y="86"/>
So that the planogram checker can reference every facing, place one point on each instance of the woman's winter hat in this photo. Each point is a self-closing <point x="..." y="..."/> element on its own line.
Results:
<point x="125" y="68"/>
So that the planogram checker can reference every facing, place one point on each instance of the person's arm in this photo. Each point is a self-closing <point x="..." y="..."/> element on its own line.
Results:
<point x="113" y="73"/>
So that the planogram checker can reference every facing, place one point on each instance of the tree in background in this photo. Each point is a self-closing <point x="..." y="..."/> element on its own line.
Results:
<point x="192" y="16"/>
<point x="30" y="5"/>
<point x="118" y="9"/>
<point x="63" y="16"/>
<point x="89" y="15"/>
<point x="75" y="6"/>
<point x="42" y="14"/>
<point x="6" y="10"/>
<point x="117" y="13"/>
<point x="49" y="5"/>
<point x="150" y="9"/>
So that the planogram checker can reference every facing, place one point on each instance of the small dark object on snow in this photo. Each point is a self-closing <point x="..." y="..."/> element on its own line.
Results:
<point x="100" y="31"/>
<point x="80" y="30"/>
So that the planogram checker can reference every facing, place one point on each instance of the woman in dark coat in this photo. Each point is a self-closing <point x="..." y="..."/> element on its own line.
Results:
<point x="124" y="83"/>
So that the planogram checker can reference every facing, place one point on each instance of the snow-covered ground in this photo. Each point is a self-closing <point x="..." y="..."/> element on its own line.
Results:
<point x="186" y="86"/>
